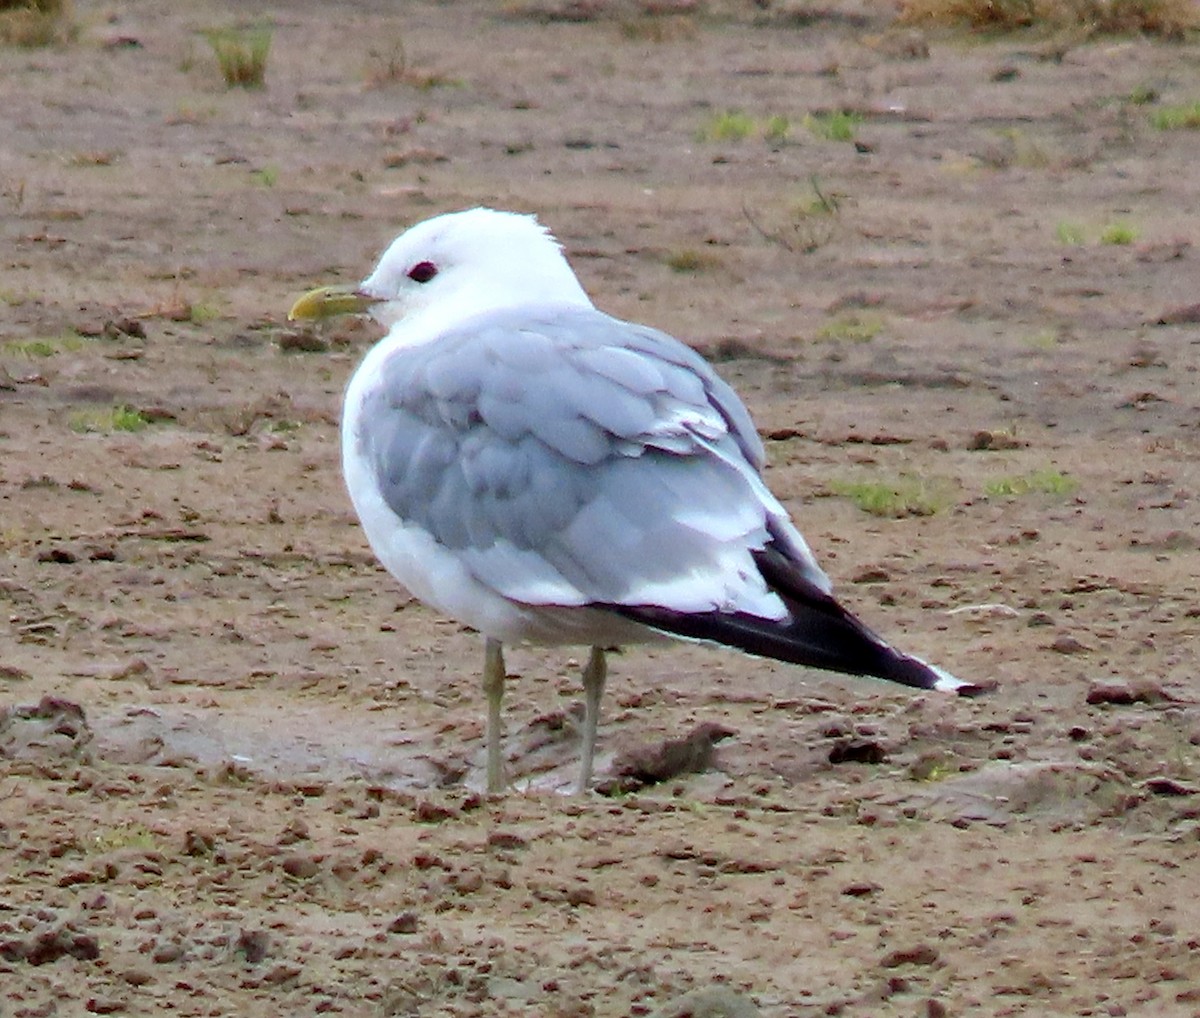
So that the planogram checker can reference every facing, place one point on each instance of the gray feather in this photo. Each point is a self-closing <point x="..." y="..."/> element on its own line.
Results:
<point x="568" y="457"/>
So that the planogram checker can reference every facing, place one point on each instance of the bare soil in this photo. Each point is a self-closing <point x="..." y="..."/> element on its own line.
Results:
<point x="239" y="768"/>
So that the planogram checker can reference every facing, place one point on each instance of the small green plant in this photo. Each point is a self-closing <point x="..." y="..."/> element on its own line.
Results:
<point x="1118" y="233"/>
<point x="40" y="347"/>
<point x="777" y="129"/>
<point x="1070" y="233"/>
<point x="905" y="496"/>
<point x="1019" y="148"/>
<point x="818" y="203"/>
<point x="1043" y="482"/>
<point x="128" y="835"/>
<point x="805" y="225"/>
<point x="241" y="55"/>
<point x="84" y="421"/>
<point x="933" y="767"/>
<point x="30" y="348"/>
<point x="840" y="125"/>
<point x="1177" y="118"/>
<point x="126" y="418"/>
<point x="268" y="176"/>
<point x="1044" y="339"/>
<point x="117" y="418"/>
<point x="731" y="125"/>
<point x="852" y="328"/>
<point x="734" y="125"/>
<point x="1076" y="235"/>
<point x="201" y="313"/>
<point x="1142" y="95"/>
<point x="689" y="259"/>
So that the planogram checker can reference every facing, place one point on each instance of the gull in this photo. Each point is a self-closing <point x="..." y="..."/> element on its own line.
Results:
<point x="546" y="473"/>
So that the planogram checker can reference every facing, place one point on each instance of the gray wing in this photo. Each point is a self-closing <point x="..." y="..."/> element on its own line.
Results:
<point x="570" y="458"/>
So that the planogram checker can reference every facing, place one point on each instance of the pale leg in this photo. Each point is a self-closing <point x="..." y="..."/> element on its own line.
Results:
<point x="493" y="689"/>
<point x="594" y="676"/>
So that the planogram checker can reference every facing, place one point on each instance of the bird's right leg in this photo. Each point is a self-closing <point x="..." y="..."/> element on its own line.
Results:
<point x="493" y="689"/>
<point x="594" y="677"/>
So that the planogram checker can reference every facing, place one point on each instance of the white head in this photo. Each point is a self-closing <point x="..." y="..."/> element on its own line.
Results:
<point x="463" y="263"/>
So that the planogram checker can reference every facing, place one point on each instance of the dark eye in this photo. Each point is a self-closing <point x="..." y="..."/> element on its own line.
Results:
<point x="422" y="272"/>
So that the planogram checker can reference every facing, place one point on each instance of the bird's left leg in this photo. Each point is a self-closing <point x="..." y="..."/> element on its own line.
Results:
<point x="594" y="676"/>
<point x="493" y="689"/>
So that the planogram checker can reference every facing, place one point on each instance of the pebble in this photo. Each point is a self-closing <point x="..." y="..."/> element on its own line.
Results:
<point x="581" y="896"/>
<point x="1123" y="694"/>
<point x="197" y="843"/>
<point x="297" y="830"/>
<point x="918" y="954"/>
<point x="467" y="882"/>
<point x="506" y="839"/>
<point x="282" y="972"/>
<point x="253" y="944"/>
<point x="166" y="951"/>
<point x="428" y="812"/>
<point x="405" y="922"/>
<point x="302" y="867"/>
<point x="857" y="751"/>
<point x="1065" y="644"/>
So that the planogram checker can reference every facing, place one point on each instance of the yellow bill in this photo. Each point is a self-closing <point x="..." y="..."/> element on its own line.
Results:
<point x="328" y="301"/>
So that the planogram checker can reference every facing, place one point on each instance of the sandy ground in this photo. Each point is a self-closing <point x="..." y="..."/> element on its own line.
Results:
<point x="239" y="768"/>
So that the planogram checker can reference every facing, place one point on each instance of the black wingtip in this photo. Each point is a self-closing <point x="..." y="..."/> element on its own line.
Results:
<point x="823" y="635"/>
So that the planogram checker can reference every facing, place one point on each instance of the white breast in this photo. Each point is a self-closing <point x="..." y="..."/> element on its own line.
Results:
<point x="437" y="576"/>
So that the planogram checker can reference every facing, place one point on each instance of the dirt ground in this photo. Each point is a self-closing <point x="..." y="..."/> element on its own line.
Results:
<point x="240" y="769"/>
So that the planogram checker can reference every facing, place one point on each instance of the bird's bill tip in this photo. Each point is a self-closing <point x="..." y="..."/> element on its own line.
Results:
<point x="329" y="301"/>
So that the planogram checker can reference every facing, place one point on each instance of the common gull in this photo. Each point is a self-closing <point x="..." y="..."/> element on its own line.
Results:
<point x="546" y="473"/>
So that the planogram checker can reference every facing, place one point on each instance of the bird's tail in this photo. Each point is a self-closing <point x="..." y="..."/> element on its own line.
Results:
<point x="818" y="632"/>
